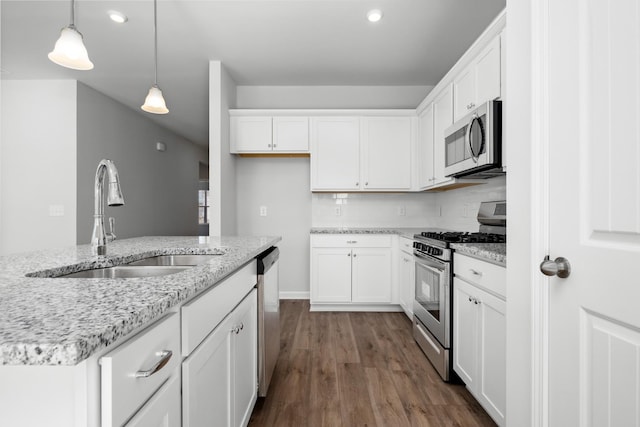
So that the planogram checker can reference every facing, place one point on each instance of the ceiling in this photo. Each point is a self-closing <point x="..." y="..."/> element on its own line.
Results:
<point x="260" y="42"/>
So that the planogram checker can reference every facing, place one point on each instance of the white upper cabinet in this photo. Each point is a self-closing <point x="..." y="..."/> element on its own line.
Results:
<point x="386" y="153"/>
<point x="360" y="154"/>
<point x="432" y="123"/>
<point x="442" y="119"/>
<point x="262" y="134"/>
<point x="291" y="134"/>
<point x="335" y="153"/>
<point x="479" y="82"/>
<point x="425" y="148"/>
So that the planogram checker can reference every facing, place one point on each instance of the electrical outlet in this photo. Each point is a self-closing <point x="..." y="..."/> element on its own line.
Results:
<point x="263" y="211"/>
<point x="337" y="210"/>
<point x="56" y="210"/>
<point x="401" y="211"/>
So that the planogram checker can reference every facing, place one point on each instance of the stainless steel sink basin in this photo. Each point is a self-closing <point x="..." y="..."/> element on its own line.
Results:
<point x="126" y="272"/>
<point x="175" y="260"/>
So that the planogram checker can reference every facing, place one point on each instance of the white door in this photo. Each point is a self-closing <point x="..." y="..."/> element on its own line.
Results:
<point x="330" y="275"/>
<point x="371" y="275"/>
<point x="386" y="153"/>
<point x="335" y="144"/>
<point x="594" y="212"/>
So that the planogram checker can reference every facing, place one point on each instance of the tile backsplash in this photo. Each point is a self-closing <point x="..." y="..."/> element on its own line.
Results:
<point x="454" y="209"/>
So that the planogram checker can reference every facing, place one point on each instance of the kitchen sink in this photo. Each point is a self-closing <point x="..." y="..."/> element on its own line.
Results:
<point x="126" y="272"/>
<point x="175" y="260"/>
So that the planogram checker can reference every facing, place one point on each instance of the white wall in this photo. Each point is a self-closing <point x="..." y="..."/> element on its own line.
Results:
<point x="373" y="210"/>
<point x="222" y="165"/>
<point x="459" y="207"/>
<point x="160" y="188"/>
<point x="38" y="169"/>
<point x="331" y="96"/>
<point x="282" y="186"/>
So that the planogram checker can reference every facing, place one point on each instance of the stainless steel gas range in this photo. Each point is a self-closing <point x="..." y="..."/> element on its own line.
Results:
<point x="432" y="307"/>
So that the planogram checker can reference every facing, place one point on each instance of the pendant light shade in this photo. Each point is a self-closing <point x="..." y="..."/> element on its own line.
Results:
<point x="69" y="50"/>
<point x="154" y="102"/>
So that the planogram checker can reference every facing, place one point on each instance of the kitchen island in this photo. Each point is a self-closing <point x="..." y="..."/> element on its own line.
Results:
<point x="54" y="330"/>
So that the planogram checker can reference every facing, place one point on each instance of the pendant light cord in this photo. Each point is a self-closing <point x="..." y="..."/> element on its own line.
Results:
<point x="73" y="14"/>
<point x="155" y="40"/>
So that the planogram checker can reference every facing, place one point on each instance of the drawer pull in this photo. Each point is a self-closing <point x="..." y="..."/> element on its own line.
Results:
<point x="352" y="241"/>
<point x="165" y="356"/>
<point x="475" y="272"/>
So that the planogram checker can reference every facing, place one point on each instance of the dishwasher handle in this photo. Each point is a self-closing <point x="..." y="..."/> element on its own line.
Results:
<point x="267" y="259"/>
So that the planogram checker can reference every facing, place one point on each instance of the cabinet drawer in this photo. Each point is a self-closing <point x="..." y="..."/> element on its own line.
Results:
<point x="406" y="244"/>
<point x="163" y="409"/>
<point x="122" y="393"/>
<point x="200" y="316"/>
<point x="351" y="240"/>
<point x="480" y="273"/>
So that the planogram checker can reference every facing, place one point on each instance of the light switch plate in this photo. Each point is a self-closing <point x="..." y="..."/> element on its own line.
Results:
<point x="263" y="211"/>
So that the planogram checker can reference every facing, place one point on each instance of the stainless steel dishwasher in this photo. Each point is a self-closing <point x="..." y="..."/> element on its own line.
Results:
<point x="268" y="317"/>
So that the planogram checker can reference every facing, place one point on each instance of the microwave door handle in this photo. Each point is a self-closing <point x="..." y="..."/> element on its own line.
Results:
<point x="467" y="137"/>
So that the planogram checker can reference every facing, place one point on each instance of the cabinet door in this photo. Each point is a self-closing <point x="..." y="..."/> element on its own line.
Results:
<point x="291" y="134"/>
<point x="335" y="153"/>
<point x="206" y="380"/>
<point x="386" y="153"/>
<point x="407" y="283"/>
<point x="250" y="134"/>
<point x="330" y="275"/>
<point x="488" y="73"/>
<point x="245" y="359"/>
<point x="492" y="353"/>
<point x="465" y="333"/>
<point x="371" y="275"/>
<point x="426" y="173"/>
<point x="464" y="91"/>
<point x="442" y="119"/>
<point x="163" y="409"/>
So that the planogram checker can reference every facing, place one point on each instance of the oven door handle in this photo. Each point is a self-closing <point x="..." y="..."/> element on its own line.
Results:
<point x="430" y="262"/>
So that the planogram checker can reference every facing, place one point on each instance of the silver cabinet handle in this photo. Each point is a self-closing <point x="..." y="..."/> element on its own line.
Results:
<point x="475" y="272"/>
<point x="357" y="183"/>
<point x="470" y="299"/>
<point x="352" y="241"/>
<point x="354" y="255"/>
<point x="274" y="145"/>
<point x="366" y="183"/>
<point x="349" y="254"/>
<point x="165" y="356"/>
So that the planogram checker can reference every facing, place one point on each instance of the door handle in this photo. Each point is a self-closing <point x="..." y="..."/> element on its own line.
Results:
<point x="559" y="267"/>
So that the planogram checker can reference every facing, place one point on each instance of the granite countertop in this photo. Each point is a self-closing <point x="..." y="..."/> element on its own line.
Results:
<point x="404" y="232"/>
<point x="63" y="321"/>
<point x="492" y="252"/>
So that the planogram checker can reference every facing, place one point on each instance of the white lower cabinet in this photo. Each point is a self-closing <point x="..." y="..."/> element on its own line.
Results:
<point x="351" y="269"/>
<point x="135" y="371"/>
<point x="220" y="377"/>
<point x="479" y="342"/>
<point x="163" y="409"/>
<point x="406" y="276"/>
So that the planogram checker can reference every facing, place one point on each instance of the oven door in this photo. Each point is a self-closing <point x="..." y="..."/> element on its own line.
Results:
<point x="432" y="301"/>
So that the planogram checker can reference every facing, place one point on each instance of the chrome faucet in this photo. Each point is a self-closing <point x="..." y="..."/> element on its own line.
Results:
<point x="99" y="238"/>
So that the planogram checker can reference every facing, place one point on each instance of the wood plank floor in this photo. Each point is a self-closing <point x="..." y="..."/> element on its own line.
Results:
<point x="357" y="369"/>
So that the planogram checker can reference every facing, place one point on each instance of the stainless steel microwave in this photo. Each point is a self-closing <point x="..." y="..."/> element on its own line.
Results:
<point x="473" y="144"/>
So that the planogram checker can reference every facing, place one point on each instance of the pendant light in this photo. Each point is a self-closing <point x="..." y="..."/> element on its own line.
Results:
<point x="154" y="102"/>
<point x="69" y="50"/>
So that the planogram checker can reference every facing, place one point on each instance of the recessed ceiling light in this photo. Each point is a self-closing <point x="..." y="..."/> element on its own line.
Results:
<point x="374" y="15"/>
<point x="118" y="17"/>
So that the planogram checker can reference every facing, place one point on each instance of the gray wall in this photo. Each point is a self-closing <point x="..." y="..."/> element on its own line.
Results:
<point x="37" y="168"/>
<point x="222" y="164"/>
<point x="160" y="188"/>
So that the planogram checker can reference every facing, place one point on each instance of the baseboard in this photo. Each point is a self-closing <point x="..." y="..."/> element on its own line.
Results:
<point x="294" y="294"/>
<point x="357" y="307"/>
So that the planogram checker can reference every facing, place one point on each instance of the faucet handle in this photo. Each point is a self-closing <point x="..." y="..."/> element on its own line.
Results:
<point x="112" y="229"/>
